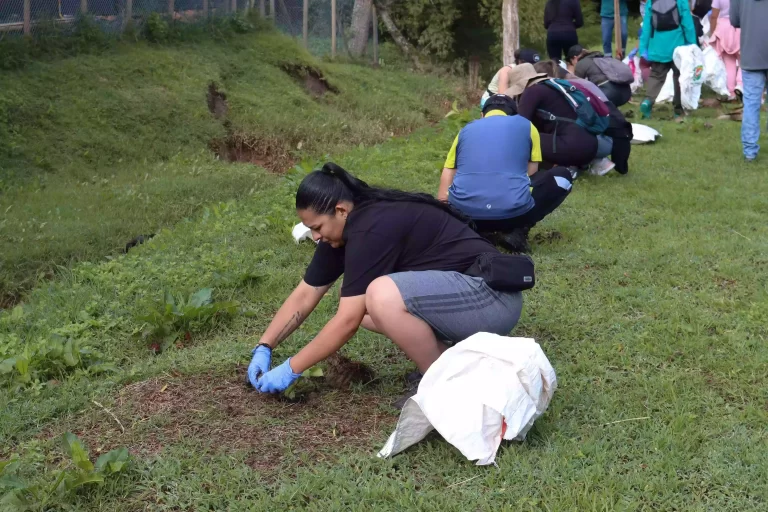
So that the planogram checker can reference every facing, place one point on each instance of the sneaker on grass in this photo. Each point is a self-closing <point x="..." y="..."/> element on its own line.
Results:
<point x="601" y="167"/>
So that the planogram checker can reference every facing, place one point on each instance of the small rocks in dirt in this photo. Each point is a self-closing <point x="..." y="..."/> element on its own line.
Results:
<point x="548" y="237"/>
<point x="342" y="372"/>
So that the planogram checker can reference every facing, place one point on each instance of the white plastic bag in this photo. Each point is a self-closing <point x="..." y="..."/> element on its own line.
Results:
<point x="642" y="134"/>
<point x="480" y="391"/>
<point x="301" y="232"/>
<point x="690" y="61"/>
<point x="638" y="83"/>
<point x="714" y="68"/>
<point x="667" y="92"/>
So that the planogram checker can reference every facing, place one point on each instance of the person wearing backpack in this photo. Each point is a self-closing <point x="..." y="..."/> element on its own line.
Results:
<point x="667" y="25"/>
<point x="612" y="76"/>
<point x="751" y="16"/>
<point x="550" y="105"/>
<point x="492" y="175"/>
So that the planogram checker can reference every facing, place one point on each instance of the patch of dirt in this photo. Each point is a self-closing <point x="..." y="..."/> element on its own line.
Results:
<point x="312" y="79"/>
<point x="547" y="237"/>
<point x="217" y="101"/>
<point x="342" y="372"/>
<point x="9" y="300"/>
<point x="268" y="152"/>
<point x="224" y="414"/>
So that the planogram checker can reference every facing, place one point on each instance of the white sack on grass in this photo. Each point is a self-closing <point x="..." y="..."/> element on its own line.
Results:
<point x="638" y="75"/>
<point x="714" y="69"/>
<point x="642" y="134"/>
<point x="301" y="232"/>
<point x="481" y="390"/>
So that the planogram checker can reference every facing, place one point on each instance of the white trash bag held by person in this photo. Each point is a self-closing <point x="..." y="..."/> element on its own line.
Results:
<point x="714" y="69"/>
<point x="480" y="391"/>
<point x="667" y="92"/>
<point x="690" y="61"/>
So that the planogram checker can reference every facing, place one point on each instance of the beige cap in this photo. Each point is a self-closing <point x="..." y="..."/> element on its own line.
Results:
<point x="522" y="76"/>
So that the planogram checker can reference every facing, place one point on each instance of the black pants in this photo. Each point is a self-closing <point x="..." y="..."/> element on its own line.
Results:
<point x="558" y="44"/>
<point x="659" y="71"/>
<point x="550" y="188"/>
<point x="618" y="94"/>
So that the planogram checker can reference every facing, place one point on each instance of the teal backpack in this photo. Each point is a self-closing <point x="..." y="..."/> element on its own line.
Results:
<point x="586" y="116"/>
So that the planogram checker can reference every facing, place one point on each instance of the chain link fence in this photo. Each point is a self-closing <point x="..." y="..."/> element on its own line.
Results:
<point x="308" y="21"/>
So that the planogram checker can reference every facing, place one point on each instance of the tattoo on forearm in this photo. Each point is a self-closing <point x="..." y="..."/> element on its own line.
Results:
<point x="289" y="327"/>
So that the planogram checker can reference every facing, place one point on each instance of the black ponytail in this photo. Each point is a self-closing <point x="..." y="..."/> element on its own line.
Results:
<point x="322" y="190"/>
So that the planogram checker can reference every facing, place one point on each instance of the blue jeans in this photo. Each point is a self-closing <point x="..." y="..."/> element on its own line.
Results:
<point x="606" y="24"/>
<point x="754" y="85"/>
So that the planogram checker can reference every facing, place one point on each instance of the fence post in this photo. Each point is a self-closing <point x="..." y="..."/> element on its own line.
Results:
<point x="375" y="22"/>
<point x="305" y="23"/>
<point x="27" y="17"/>
<point x="234" y="6"/>
<point x="205" y="8"/>
<point x="262" y="9"/>
<point x="272" y="10"/>
<point x="128" y="14"/>
<point x="171" y="7"/>
<point x="333" y="29"/>
<point x="84" y="7"/>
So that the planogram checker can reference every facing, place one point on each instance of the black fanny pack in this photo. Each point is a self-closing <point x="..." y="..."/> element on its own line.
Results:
<point x="504" y="272"/>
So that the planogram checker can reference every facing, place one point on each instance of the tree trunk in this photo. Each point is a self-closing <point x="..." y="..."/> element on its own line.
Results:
<point x="397" y="36"/>
<point x="361" y="23"/>
<point x="511" y="32"/>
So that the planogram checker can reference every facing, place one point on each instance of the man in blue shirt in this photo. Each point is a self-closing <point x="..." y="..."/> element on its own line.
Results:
<point x="607" y="17"/>
<point x="491" y="175"/>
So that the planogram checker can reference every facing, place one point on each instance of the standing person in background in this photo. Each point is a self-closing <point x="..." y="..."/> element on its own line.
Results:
<point x="751" y="16"/>
<point x="725" y="39"/>
<point x="669" y="24"/>
<point x="607" y="22"/>
<point x="561" y="19"/>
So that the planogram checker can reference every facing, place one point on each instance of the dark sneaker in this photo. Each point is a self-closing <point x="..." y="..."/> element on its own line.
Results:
<point x="516" y="240"/>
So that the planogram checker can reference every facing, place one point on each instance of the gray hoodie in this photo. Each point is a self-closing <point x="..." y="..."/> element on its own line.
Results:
<point x="751" y="16"/>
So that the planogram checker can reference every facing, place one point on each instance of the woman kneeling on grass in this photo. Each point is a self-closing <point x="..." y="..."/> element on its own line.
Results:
<point x="403" y="257"/>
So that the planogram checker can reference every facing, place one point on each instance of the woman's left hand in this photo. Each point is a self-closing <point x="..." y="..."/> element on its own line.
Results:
<point x="278" y="379"/>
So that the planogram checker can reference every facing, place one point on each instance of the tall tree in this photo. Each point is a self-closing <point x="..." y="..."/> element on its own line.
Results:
<point x="361" y="26"/>
<point x="511" y="30"/>
<point x="382" y="6"/>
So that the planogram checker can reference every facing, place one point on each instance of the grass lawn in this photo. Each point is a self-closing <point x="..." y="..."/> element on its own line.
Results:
<point x="650" y="303"/>
<point x="101" y="147"/>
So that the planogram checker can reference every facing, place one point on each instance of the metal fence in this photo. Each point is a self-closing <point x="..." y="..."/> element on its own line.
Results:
<point x="309" y="21"/>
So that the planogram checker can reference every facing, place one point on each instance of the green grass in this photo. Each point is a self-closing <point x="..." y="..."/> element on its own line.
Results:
<point x="98" y="148"/>
<point x="651" y="305"/>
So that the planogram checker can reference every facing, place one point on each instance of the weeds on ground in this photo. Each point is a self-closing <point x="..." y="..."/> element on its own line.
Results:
<point x="19" y="494"/>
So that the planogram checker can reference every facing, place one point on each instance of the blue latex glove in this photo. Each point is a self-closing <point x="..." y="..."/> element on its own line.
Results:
<point x="278" y="379"/>
<point x="262" y="356"/>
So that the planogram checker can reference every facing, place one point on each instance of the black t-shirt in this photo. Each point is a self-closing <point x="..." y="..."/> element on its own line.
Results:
<point x="385" y="237"/>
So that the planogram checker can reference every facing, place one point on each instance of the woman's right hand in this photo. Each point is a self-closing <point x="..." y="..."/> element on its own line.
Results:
<point x="262" y="357"/>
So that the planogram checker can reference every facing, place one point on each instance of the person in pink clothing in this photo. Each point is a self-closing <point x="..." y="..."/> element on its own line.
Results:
<point x="725" y="40"/>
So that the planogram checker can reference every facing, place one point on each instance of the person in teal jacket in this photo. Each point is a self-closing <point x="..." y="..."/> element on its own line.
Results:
<point x="662" y="34"/>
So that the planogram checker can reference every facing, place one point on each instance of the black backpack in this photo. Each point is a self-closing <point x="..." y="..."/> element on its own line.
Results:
<point x="701" y="8"/>
<point x="665" y="16"/>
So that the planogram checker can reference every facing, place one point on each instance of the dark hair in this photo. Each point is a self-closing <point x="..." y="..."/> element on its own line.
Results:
<point x="500" y="102"/>
<point x="576" y="51"/>
<point x="550" y="68"/>
<point x="323" y="189"/>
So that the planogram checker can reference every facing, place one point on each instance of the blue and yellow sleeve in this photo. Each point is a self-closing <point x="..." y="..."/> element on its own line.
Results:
<point x="535" y="145"/>
<point x="450" y="161"/>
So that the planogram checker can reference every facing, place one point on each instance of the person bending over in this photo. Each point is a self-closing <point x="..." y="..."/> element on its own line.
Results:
<point x="403" y="257"/>
<point x="491" y="175"/>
